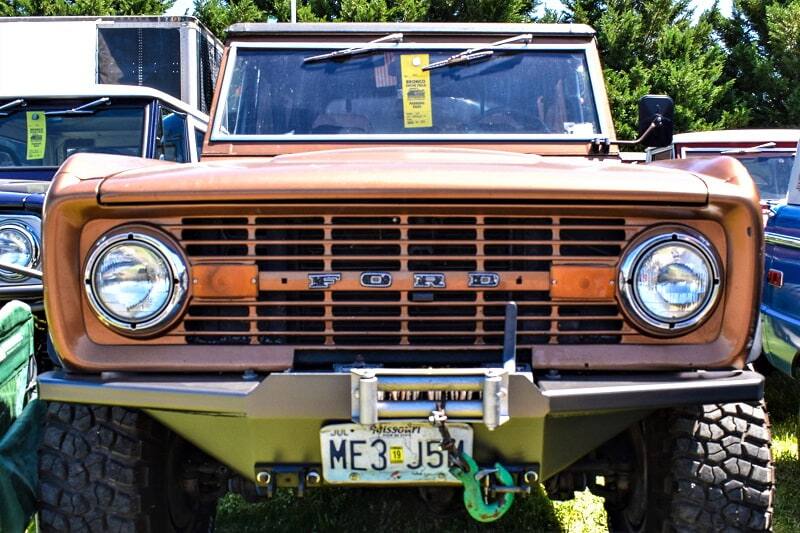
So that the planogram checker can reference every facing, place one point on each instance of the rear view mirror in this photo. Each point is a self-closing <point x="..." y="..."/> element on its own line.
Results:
<point x="656" y="114"/>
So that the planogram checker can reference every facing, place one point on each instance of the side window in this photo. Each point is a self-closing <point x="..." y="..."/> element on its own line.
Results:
<point x="171" y="142"/>
<point x="198" y="137"/>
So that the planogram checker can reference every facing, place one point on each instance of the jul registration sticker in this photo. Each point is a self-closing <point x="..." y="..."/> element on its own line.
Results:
<point x="416" y="91"/>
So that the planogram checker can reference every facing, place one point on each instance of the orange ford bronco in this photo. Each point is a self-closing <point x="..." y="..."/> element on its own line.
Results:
<point x="410" y="257"/>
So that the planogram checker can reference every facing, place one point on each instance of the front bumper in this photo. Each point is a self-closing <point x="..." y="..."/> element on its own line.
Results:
<point x="247" y="420"/>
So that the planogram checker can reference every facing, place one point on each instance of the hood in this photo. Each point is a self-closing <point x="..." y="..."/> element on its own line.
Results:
<point x="403" y="173"/>
<point x="27" y="174"/>
<point x="22" y="194"/>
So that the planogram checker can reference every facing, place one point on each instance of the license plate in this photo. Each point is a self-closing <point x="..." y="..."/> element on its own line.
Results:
<point x="395" y="453"/>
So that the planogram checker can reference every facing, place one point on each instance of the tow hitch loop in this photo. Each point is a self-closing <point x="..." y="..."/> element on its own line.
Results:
<point x="488" y="493"/>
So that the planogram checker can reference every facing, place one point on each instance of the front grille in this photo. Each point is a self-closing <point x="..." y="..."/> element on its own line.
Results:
<point x="288" y="248"/>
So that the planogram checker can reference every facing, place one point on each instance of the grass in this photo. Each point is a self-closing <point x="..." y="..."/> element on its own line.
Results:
<point x="783" y="397"/>
<point x="402" y="511"/>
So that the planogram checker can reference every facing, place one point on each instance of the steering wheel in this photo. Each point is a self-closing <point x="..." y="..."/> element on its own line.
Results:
<point x="7" y="152"/>
<point x="501" y="119"/>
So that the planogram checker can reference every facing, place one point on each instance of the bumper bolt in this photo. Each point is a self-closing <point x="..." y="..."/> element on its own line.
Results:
<point x="530" y="477"/>
<point x="313" y="478"/>
<point x="263" y="478"/>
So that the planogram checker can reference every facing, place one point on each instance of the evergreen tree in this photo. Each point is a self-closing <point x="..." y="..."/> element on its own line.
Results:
<point x="217" y="15"/>
<point x="230" y="11"/>
<point x="654" y="47"/>
<point x="763" y="40"/>
<point x="34" y="8"/>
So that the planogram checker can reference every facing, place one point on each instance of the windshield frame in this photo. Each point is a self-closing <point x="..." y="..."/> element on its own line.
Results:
<point x="146" y="102"/>
<point x="594" y="75"/>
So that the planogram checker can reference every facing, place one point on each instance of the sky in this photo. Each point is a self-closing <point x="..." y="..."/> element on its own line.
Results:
<point x="181" y="7"/>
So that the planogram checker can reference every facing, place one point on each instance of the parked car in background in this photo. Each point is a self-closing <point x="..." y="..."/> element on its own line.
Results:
<point x="365" y="285"/>
<point x="133" y="86"/>
<point x="39" y="131"/>
<point x="175" y="55"/>
<point x="780" y="306"/>
<point x="768" y="154"/>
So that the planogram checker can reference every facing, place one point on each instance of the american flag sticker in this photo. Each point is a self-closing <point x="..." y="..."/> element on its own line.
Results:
<point x="382" y="76"/>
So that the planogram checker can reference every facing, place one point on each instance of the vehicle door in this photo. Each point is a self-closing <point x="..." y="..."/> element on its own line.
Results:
<point x="780" y="312"/>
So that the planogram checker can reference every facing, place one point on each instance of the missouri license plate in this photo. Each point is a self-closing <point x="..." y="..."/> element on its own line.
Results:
<point x="389" y="453"/>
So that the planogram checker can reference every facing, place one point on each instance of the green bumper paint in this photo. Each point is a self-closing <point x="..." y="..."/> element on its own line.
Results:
<point x="20" y="417"/>
<point x="276" y="418"/>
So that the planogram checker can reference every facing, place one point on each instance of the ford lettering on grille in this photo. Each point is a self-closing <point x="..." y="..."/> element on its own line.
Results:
<point x="323" y="280"/>
<point x="376" y="279"/>
<point x="483" y="279"/>
<point x="429" y="281"/>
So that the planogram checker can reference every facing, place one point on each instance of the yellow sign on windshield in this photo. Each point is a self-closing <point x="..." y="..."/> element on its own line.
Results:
<point x="416" y="91"/>
<point x="37" y="134"/>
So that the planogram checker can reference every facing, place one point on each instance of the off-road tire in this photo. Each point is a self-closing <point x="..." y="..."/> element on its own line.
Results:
<point x="708" y="468"/>
<point x="104" y="469"/>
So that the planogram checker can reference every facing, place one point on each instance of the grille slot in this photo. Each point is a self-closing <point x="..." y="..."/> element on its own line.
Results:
<point x="450" y="318"/>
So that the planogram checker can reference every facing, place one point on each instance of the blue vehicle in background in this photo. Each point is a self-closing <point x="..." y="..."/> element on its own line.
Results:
<point x="38" y="131"/>
<point x="137" y="86"/>
<point x="780" y="305"/>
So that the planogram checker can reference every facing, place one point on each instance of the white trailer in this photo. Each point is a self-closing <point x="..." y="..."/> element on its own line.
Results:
<point x="176" y="55"/>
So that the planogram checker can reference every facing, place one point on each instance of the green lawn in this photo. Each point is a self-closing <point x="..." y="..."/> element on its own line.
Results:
<point x="401" y="510"/>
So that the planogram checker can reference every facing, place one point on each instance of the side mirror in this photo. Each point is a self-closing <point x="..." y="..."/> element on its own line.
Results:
<point x="656" y="114"/>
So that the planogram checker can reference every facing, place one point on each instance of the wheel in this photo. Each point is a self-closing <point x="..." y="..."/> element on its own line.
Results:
<point x="699" y="468"/>
<point x="114" y="469"/>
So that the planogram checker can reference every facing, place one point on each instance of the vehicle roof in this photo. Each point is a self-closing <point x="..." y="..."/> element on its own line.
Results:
<point x="253" y="29"/>
<point x="99" y="90"/>
<point x="172" y="20"/>
<point x="738" y="136"/>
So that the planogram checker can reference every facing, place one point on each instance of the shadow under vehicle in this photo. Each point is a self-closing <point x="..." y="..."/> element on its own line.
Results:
<point x="464" y="289"/>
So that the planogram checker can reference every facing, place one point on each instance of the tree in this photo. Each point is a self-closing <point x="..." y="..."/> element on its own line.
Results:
<point x="34" y="8"/>
<point x="654" y="47"/>
<point x="763" y="39"/>
<point x="217" y="14"/>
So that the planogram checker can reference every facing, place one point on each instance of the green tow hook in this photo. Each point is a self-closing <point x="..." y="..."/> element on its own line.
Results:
<point x="477" y="507"/>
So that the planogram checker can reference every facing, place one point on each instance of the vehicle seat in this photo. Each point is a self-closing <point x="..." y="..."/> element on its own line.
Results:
<point x="340" y="123"/>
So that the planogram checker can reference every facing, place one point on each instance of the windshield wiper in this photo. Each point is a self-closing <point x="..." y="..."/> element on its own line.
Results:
<point x="475" y="54"/>
<point x="746" y="150"/>
<point x="8" y="108"/>
<point x="85" y="109"/>
<point x="358" y="50"/>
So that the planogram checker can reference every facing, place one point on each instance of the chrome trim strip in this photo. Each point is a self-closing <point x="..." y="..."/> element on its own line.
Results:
<point x="21" y="289"/>
<point x="781" y="240"/>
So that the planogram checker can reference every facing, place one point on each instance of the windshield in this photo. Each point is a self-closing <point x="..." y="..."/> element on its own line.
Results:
<point x="29" y="137"/>
<point x="272" y="92"/>
<point x="770" y="171"/>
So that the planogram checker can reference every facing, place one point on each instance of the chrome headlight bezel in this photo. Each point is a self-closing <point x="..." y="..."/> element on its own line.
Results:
<point x="178" y="270"/>
<point x="633" y="258"/>
<point x="29" y="234"/>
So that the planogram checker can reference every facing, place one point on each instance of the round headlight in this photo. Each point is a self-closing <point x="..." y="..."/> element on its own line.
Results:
<point x="670" y="281"/>
<point x="18" y="246"/>
<point x="134" y="281"/>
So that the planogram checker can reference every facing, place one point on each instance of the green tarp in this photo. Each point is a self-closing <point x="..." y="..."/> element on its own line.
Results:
<point x="20" y="418"/>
